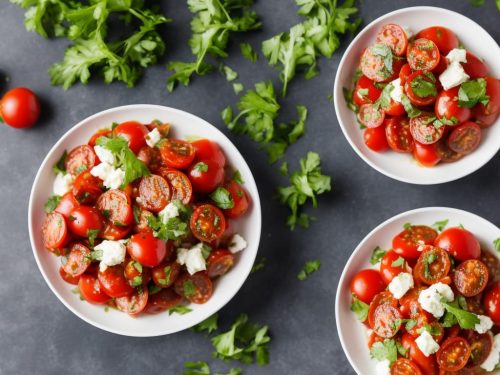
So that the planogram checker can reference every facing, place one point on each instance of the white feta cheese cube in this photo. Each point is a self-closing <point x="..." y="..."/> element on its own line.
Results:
<point x="383" y="368"/>
<point x="494" y="357"/>
<point x="458" y="55"/>
<point x="62" y="183"/>
<point x="193" y="259"/>
<point x="170" y="211"/>
<point x="237" y="244"/>
<point x="484" y="325"/>
<point x="430" y="298"/>
<point x="401" y="284"/>
<point x="397" y="91"/>
<point x="153" y="137"/>
<point x="104" y="155"/>
<point x="453" y="76"/>
<point x="113" y="253"/>
<point x="112" y="177"/>
<point x="426" y="343"/>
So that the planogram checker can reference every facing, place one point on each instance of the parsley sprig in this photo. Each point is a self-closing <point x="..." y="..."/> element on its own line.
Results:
<point x="310" y="267"/>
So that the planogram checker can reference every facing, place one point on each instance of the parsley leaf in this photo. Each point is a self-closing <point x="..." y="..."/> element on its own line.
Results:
<point x="465" y="319"/>
<point x="60" y="166"/>
<point x="174" y="229"/>
<point x="52" y="203"/>
<point x="496" y="244"/>
<point x="386" y="350"/>
<point x="238" y="87"/>
<point x="92" y="235"/>
<point x="423" y="87"/>
<point x="359" y="308"/>
<point x="377" y="254"/>
<point x="209" y="324"/>
<point x="310" y="267"/>
<point x="248" y="52"/>
<point x="306" y="184"/>
<point x="260" y="264"/>
<point x="196" y="368"/>
<point x="201" y="167"/>
<point x="411" y="111"/>
<point x="222" y="198"/>
<point x="237" y="178"/>
<point x="398" y="262"/>
<point x="440" y="225"/>
<point x="180" y="309"/>
<point x="229" y="73"/>
<point x="473" y="92"/>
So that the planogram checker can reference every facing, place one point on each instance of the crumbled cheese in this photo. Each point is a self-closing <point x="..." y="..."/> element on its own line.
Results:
<point x="153" y="137"/>
<point x="104" y="155"/>
<point x="453" y="76"/>
<point x="383" y="367"/>
<point x="113" y="252"/>
<point x="400" y="284"/>
<point x="62" y="184"/>
<point x="192" y="258"/>
<point x="457" y="54"/>
<point x="170" y="211"/>
<point x="237" y="243"/>
<point x="426" y="343"/>
<point x="494" y="356"/>
<point x="484" y="325"/>
<point x="112" y="177"/>
<point x="430" y="298"/>
<point x="397" y="91"/>
<point x="409" y="32"/>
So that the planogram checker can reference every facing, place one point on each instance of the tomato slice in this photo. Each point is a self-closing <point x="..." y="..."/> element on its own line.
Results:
<point x="480" y="348"/>
<point x="471" y="277"/>
<point x="142" y="223"/>
<point x="409" y="240"/>
<point x="373" y="63"/>
<point x="465" y="138"/>
<point x="405" y="366"/>
<point x="399" y="138"/>
<point x="67" y="204"/>
<point x="444" y="38"/>
<point x="420" y="87"/>
<point x="423" y="54"/>
<point x="114" y="232"/>
<point x="151" y="157"/>
<point x="447" y="107"/>
<point x="54" y="232"/>
<point x="134" y="303"/>
<point x="180" y="185"/>
<point x="453" y="354"/>
<point x="423" y="130"/>
<point x="493" y="264"/>
<point x="154" y="193"/>
<point x="77" y="261"/>
<point x="86" y="188"/>
<point x="382" y="298"/>
<point x="81" y="158"/>
<point x="387" y="320"/>
<point x="492" y="303"/>
<point x="136" y="274"/>
<point x="371" y="116"/>
<point x="165" y="274"/>
<point x="365" y="91"/>
<point x="446" y="154"/>
<point x="115" y="205"/>
<point x="207" y="223"/>
<point x="375" y="139"/>
<point x="426" y="155"/>
<point x="484" y="121"/>
<point x="195" y="288"/>
<point x="434" y="264"/>
<point x="68" y="278"/>
<point x="393" y="36"/>
<point x="114" y="283"/>
<point x="404" y="73"/>
<point x="219" y="263"/>
<point x="163" y="300"/>
<point x="91" y="289"/>
<point x="475" y="67"/>
<point x="177" y="153"/>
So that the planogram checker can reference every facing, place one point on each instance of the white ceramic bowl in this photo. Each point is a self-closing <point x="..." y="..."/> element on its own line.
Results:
<point x="184" y="125"/>
<point x="403" y="167"/>
<point x="351" y="332"/>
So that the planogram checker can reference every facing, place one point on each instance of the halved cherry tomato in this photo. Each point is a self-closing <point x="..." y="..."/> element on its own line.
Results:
<point x="444" y="38"/>
<point x="460" y="243"/>
<point x="85" y="218"/>
<point x="393" y="36"/>
<point x="484" y="121"/>
<point x="54" y="232"/>
<point x="219" y="263"/>
<point x="493" y="92"/>
<point x="446" y="154"/>
<point x="20" y="108"/>
<point x="176" y="153"/>
<point x="134" y="132"/>
<point x="427" y="364"/>
<point x="77" y="261"/>
<point x="447" y="107"/>
<point x="113" y="281"/>
<point x="180" y="185"/>
<point x="114" y="232"/>
<point x="163" y="300"/>
<point x="81" y="158"/>
<point x="408" y="241"/>
<point x="97" y="135"/>
<point x="207" y="223"/>
<point x="382" y="298"/>
<point x="205" y="176"/>
<point x="142" y="224"/>
<point x="387" y="270"/>
<point x="373" y="63"/>
<point x="420" y="87"/>
<point x="240" y="199"/>
<point x="371" y="116"/>
<point x="86" y="188"/>
<point x="465" y="138"/>
<point x="387" y="321"/>
<point x="423" y="54"/>
<point x="366" y="284"/>
<point x="151" y="157"/>
<point x="471" y="277"/>
<point x="148" y="250"/>
<point x="154" y="193"/>
<point x="134" y="303"/>
<point x="375" y="139"/>
<point x="67" y="204"/>
<point x="426" y="155"/>
<point x="423" y="130"/>
<point x="434" y="264"/>
<point x="409" y="305"/>
<point x="91" y="289"/>
<point x="195" y="288"/>
<point x="399" y="138"/>
<point x="493" y="263"/>
<point x="475" y="67"/>
<point x="208" y="150"/>
<point x="404" y="366"/>
<point x="365" y="91"/>
<point x="480" y="347"/>
<point x="404" y="73"/>
<point x="136" y="274"/>
<point x="492" y="303"/>
<point x="474" y="304"/>
<point x="453" y="354"/>
<point x="68" y="278"/>
<point x="165" y="274"/>
<point x="163" y="128"/>
<point x="116" y="206"/>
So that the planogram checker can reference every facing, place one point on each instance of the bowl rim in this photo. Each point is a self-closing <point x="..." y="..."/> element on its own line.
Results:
<point x="255" y="203"/>
<point x="337" y="100"/>
<point x="450" y="210"/>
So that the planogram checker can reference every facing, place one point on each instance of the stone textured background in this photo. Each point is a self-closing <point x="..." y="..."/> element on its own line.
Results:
<point x="38" y="335"/>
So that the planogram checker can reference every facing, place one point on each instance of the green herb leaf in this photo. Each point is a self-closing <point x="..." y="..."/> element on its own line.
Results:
<point x="209" y="324"/>
<point x="386" y="350"/>
<point x="174" y="229"/>
<point x="181" y="310"/>
<point x="310" y="267"/>
<point x="92" y="235"/>
<point x="248" y="52"/>
<point x="407" y="225"/>
<point x="238" y="87"/>
<point x="411" y="111"/>
<point x="60" y="166"/>
<point x="398" y="262"/>
<point x="52" y="203"/>
<point x="237" y="177"/>
<point x="229" y="73"/>
<point x="377" y="254"/>
<point x="496" y="244"/>
<point x="410" y="323"/>
<point x="465" y="319"/>
<point x="359" y="308"/>
<point x="429" y="258"/>
<point x="222" y="198"/>
<point x="472" y="92"/>
<point x="136" y="281"/>
<point x="440" y="225"/>
<point x="196" y="368"/>
<point x="201" y="167"/>
<point x="423" y="87"/>
<point x="259" y="264"/>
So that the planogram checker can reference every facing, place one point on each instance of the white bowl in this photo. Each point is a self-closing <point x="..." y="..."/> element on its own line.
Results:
<point x="403" y="167"/>
<point x="184" y="125"/>
<point x="352" y="333"/>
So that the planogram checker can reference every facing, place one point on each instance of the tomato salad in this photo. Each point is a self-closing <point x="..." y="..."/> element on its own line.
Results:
<point x="424" y="95"/>
<point x="432" y="305"/>
<point x="141" y="221"/>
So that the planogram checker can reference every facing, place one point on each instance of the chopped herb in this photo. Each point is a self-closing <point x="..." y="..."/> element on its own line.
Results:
<point x="52" y="203"/>
<point x="284" y="169"/>
<point x="377" y="254"/>
<point x="384" y="51"/>
<point x="496" y="244"/>
<point x="137" y="214"/>
<point x="153" y="289"/>
<point x="209" y="324"/>
<point x="188" y="288"/>
<point x="60" y="166"/>
<point x="248" y="52"/>
<point x="407" y="225"/>
<point x="260" y="264"/>
<point x="105" y="213"/>
<point x="176" y="228"/>
<point x="181" y="310"/>
<point x="137" y="266"/>
<point x="238" y="87"/>
<point x="422" y="87"/>
<point x="398" y="262"/>
<point x="237" y="177"/>
<point x="410" y="323"/>
<point x="196" y="368"/>
<point x="438" y="122"/>
<point x="201" y="167"/>
<point x="386" y="350"/>
<point x="348" y="94"/>
<point x="229" y="73"/>
<point x="222" y="198"/>
<point x="465" y="319"/>
<point x="429" y="258"/>
<point x="359" y="308"/>
<point x="92" y="235"/>
<point x="411" y="111"/>
<point x="473" y="92"/>
<point x="310" y="267"/>
<point x="136" y="281"/>
<point x="440" y="225"/>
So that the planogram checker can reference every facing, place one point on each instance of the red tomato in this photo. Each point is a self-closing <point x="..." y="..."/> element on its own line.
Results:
<point x="195" y="288"/>
<point x="134" y="303"/>
<point x="147" y="249"/>
<point x="465" y="138"/>
<point x="426" y="155"/>
<point x="86" y="188"/>
<point x="447" y="106"/>
<point x="484" y="121"/>
<point x="427" y="364"/>
<point x="423" y="54"/>
<point x="134" y="132"/>
<point x="54" y="232"/>
<point x="219" y="263"/>
<point x="205" y="176"/>
<point x="492" y="303"/>
<point x="371" y="116"/>
<point x="116" y="206"/>
<point x="445" y="153"/>
<point x="240" y="199"/>
<point x="460" y="243"/>
<point x="163" y="300"/>
<point x="81" y="158"/>
<point x="404" y="366"/>
<point x="77" y="261"/>
<point x="375" y="139"/>
<point x="67" y="204"/>
<point x="180" y="185"/>
<point x="432" y="272"/>
<point x="480" y="345"/>
<point x="114" y="232"/>
<point x="165" y="274"/>
<point x="444" y="38"/>
<point x="365" y="91"/>
<point x="366" y="284"/>
<point x="395" y="109"/>
<point x="142" y="224"/>
<point x="420" y="87"/>
<point x="453" y="354"/>
<point x="404" y="73"/>
<point x="20" y="108"/>
<point x="384" y="297"/>
<point x="386" y="320"/>
<point x="136" y="274"/>
<point x="409" y="240"/>
<point x="387" y="270"/>
<point x="207" y="223"/>
<point x="373" y="64"/>
<point x="208" y="150"/>
<point x="91" y="290"/>
<point x="150" y="157"/>
<point x="154" y="193"/>
<point x="68" y="278"/>
<point x="475" y="67"/>
<point x="177" y="153"/>
<point x="423" y="130"/>
<point x="470" y="277"/>
<point x="113" y="282"/>
<point x="493" y="106"/>
<point x="399" y="138"/>
<point x="84" y="218"/>
<point x="393" y="36"/>
<point x="97" y="135"/>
